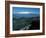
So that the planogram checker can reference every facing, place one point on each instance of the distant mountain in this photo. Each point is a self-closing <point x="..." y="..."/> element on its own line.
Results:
<point x="25" y="18"/>
<point x="25" y="15"/>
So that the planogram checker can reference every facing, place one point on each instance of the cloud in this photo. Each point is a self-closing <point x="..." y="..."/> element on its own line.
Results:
<point x="23" y="12"/>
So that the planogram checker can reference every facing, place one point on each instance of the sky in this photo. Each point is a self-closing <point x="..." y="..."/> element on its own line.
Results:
<point x="26" y="12"/>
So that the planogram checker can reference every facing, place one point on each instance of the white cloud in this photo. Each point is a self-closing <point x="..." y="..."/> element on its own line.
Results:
<point x="24" y="12"/>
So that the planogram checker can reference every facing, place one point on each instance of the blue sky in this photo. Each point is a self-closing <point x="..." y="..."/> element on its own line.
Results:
<point x="21" y="11"/>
